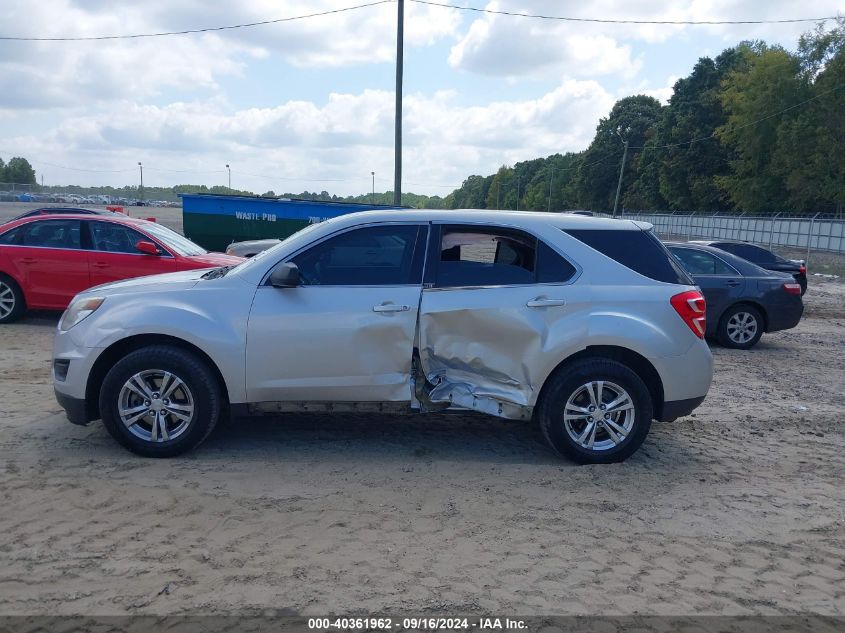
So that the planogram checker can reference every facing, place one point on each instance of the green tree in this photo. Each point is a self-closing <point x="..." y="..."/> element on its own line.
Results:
<point x="809" y="156"/>
<point x="2" y="171"/>
<point x="632" y="120"/>
<point x="673" y="172"/>
<point x="472" y="194"/>
<point x="19" y="171"/>
<point x="765" y="82"/>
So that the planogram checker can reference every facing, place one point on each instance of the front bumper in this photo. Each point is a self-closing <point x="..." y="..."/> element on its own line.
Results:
<point x="76" y="409"/>
<point x="72" y="364"/>
<point x="674" y="409"/>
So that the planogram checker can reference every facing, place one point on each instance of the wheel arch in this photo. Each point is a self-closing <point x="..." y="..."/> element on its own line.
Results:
<point x="631" y="359"/>
<point x="117" y="350"/>
<point x="8" y="275"/>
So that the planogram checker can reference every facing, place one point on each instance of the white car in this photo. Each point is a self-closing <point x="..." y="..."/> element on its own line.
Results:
<point x="586" y="325"/>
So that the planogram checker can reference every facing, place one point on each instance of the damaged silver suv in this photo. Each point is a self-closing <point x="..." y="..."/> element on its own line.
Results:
<point x="585" y="325"/>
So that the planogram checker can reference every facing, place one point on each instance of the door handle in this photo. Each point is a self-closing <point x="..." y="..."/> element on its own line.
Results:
<point x="733" y="283"/>
<point x="28" y="260"/>
<point x="100" y="265"/>
<point x="545" y="303"/>
<point x="390" y="307"/>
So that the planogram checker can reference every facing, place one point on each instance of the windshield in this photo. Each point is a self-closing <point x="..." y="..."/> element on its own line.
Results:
<point x="259" y="256"/>
<point x="182" y="245"/>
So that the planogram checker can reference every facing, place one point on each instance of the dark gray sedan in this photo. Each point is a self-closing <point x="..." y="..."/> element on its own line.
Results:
<point x="743" y="300"/>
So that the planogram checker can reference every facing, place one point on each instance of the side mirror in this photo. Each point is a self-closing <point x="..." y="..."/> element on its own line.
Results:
<point x="148" y="248"/>
<point x="285" y="276"/>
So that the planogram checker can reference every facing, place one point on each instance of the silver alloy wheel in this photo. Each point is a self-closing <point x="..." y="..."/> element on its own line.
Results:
<point x="7" y="300"/>
<point x="742" y="327"/>
<point x="156" y="405"/>
<point x="599" y="415"/>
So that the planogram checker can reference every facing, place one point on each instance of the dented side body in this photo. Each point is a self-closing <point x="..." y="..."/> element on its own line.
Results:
<point x="414" y="346"/>
<point x="483" y="349"/>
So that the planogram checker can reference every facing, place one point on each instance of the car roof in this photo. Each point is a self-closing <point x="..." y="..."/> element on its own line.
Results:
<point x="117" y="218"/>
<point x="744" y="266"/>
<point x="709" y="242"/>
<point x="473" y="216"/>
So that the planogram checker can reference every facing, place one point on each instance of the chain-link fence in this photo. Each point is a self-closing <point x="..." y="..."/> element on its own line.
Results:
<point x="819" y="232"/>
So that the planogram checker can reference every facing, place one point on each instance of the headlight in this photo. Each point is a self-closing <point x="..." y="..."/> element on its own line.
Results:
<point x="78" y="310"/>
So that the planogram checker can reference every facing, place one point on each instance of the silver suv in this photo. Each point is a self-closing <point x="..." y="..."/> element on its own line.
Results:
<point x="586" y="325"/>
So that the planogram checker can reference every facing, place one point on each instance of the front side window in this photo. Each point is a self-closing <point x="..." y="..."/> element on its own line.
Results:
<point x="52" y="234"/>
<point x="110" y="237"/>
<point x="701" y="263"/>
<point x="369" y="256"/>
<point x="473" y="256"/>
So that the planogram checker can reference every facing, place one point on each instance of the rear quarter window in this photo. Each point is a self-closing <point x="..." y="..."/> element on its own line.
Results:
<point x="638" y="250"/>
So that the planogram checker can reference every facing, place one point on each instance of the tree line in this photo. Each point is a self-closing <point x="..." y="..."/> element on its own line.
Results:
<point x="757" y="129"/>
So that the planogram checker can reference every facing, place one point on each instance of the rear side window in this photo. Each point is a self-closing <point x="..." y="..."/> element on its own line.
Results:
<point x="53" y="234"/>
<point x="11" y="237"/>
<point x="473" y="256"/>
<point x="638" y="250"/>
<point x="701" y="263"/>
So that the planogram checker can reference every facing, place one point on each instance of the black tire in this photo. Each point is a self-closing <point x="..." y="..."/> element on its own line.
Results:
<point x="10" y="290"/>
<point x="566" y="383"/>
<point x="731" y="337"/>
<point x="202" y="391"/>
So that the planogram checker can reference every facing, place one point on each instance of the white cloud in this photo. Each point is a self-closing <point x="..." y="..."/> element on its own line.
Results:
<point x="345" y="138"/>
<point x="517" y="47"/>
<point x="43" y="75"/>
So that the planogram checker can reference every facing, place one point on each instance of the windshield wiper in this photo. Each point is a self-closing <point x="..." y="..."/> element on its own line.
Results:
<point x="216" y="273"/>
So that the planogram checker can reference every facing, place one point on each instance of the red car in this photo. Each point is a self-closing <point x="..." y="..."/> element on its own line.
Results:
<point x="45" y="260"/>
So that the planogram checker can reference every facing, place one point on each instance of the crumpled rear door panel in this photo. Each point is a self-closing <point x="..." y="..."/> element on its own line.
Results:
<point x="485" y="349"/>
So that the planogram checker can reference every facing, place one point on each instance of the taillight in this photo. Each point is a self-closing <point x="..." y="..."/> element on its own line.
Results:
<point x="802" y="269"/>
<point x="793" y="289"/>
<point x="691" y="307"/>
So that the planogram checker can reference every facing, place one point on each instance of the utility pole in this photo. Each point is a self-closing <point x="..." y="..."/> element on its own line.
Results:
<point x="397" y="171"/>
<point x="373" y="198"/>
<point x="619" y="186"/>
<point x="517" y="193"/>
<point x="141" y="190"/>
<point x="551" y="178"/>
<point x="230" y="177"/>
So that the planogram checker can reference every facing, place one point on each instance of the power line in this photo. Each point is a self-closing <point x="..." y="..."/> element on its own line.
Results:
<point x="192" y="31"/>
<point x="92" y="171"/>
<point x="611" y="21"/>
<point x="745" y="125"/>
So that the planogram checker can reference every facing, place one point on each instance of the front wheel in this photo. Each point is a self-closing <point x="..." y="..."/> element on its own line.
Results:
<point x="160" y="401"/>
<point x="595" y="411"/>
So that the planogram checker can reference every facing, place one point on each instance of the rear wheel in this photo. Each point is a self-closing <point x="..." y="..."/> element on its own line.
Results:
<point x="595" y="411"/>
<point x="741" y="327"/>
<point x="160" y="401"/>
<point x="12" y="304"/>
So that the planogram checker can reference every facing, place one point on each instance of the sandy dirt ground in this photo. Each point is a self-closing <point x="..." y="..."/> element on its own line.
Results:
<point x="737" y="509"/>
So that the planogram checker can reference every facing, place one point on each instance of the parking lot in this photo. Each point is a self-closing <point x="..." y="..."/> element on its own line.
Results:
<point x="736" y="509"/>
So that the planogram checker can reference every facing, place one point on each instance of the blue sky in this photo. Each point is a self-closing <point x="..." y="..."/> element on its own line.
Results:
<point x="309" y="104"/>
